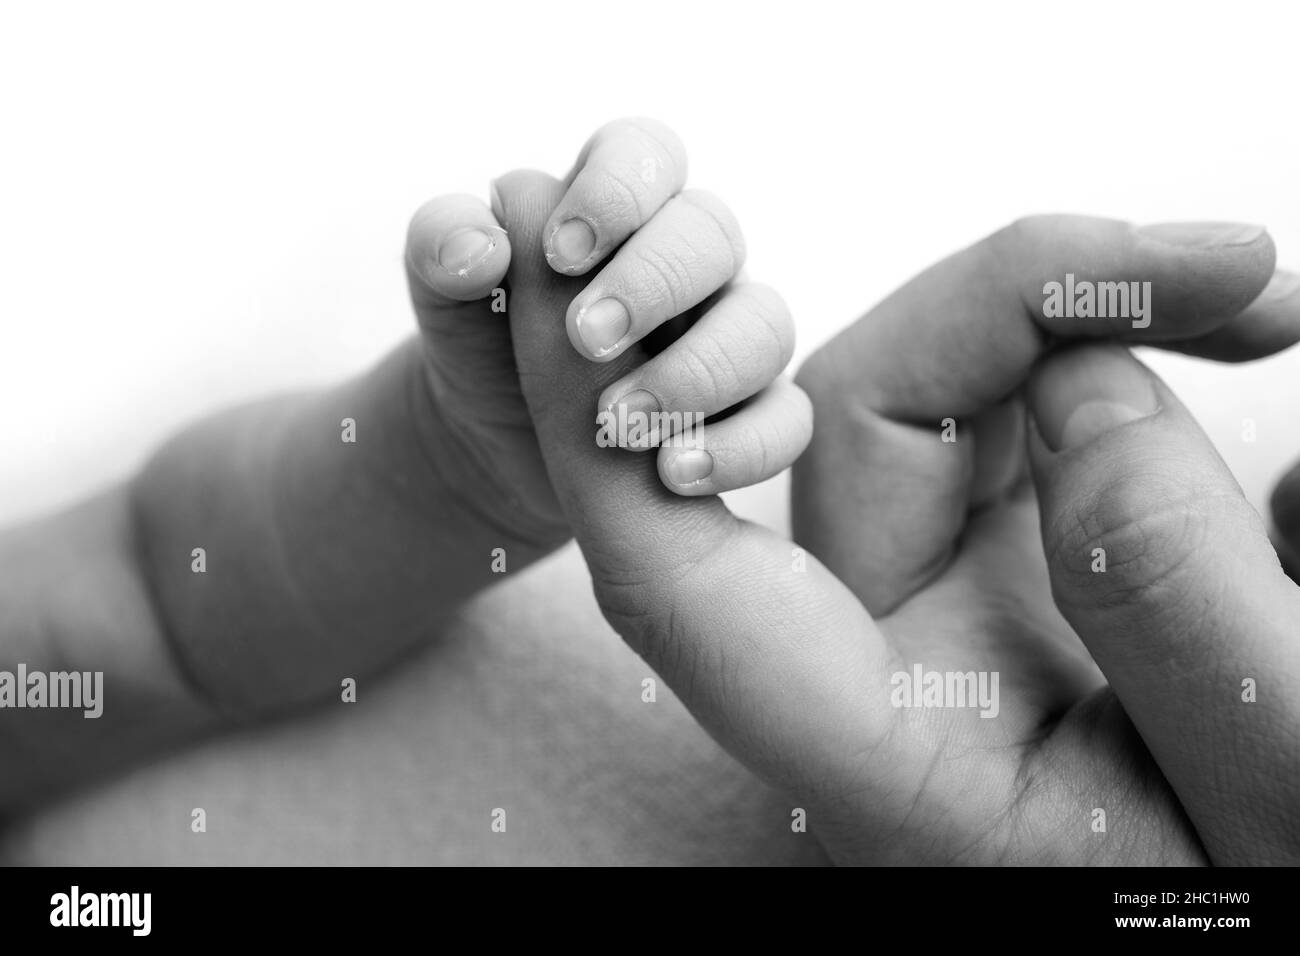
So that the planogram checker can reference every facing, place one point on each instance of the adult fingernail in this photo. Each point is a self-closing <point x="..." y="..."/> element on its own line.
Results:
<point x="688" y="467"/>
<point x="572" y="244"/>
<point x="602" y="325"/>
<point x="1078" y="398"/>
<point x="1281" y="287"/>
<point x="1202" y="235"/>
<point x="464" y="249"/>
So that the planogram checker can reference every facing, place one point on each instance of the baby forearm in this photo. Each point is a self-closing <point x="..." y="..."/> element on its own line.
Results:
<point x="305" y="540"/>
<point x="87" y="681"/>
<point x="257" y="561"/>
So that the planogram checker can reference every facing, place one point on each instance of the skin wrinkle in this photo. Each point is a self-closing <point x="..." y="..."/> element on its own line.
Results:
<point x="1080" y="537"/>
<point x="268" y="429"/>
<point x="1045" y="762"/>
<point x="724" y="221"/>
<point x="688" y="255"/>
<point x="500" y="406"/>
<point x="901" y="830"/>
<point x="634" y="196"/>
<point x="543" y="532"/>
<point x="677" y="388"/>
<point x="733" y="362"/>
<point x="164" y="632"/>
<point x="698" y="369"/>
<point x="664" y="581"/>
<point x="675" y="272"/>
<point x="167" y="628"/>
<point x="752" y="440"/>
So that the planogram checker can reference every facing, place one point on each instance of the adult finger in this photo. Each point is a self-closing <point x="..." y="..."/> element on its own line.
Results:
<point x="772" y="654"/>
<point x="882" y="491"/>
<point x="1165" y="571"/>
<point x="1267" y="326"/>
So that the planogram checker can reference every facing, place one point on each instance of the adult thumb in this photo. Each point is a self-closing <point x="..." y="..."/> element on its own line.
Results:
<point x="768" y="650"/>
<point x="1166" y="573"/>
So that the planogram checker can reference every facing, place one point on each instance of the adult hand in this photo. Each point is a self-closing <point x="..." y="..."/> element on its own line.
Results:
<point x="1153" y="557"/>
<point x="780" y="660"/>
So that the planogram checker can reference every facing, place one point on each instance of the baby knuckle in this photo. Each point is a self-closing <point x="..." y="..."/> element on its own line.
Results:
<point x="719" y="214"/>
<point x="664" y="273"/>
<point x="622" y="194"/>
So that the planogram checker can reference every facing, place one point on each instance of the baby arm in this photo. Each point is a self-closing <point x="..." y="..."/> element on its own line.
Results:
<point x="265" y="556"/>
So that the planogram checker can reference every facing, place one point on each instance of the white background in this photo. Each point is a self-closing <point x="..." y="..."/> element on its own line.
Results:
<point x="202" y="202"/>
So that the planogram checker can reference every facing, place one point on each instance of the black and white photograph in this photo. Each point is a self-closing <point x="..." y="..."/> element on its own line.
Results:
<point x="679" y="435"/>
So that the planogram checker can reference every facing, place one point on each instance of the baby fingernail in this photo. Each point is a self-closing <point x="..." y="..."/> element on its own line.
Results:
<point x="463" y="250"/>
<point x="602" y="325"/>
<point x="639" y="400"/>
<point x="572" y="243"/>
<point x="1206" y="235"/>
<point x="644" y="406"/>
<point x="688" y="467"/>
